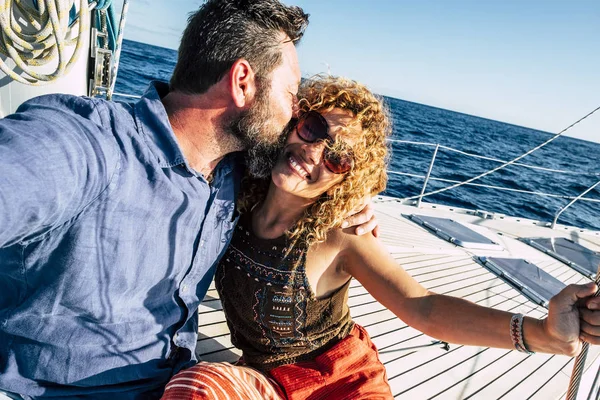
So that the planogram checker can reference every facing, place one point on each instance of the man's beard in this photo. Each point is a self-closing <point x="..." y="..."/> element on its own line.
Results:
<point x="262" y="140"/>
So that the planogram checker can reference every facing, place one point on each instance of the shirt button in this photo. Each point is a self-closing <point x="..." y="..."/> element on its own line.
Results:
<point x="184" y="288"/>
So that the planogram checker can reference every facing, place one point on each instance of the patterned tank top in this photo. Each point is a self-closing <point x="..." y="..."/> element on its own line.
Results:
<point x="272" y="312"/>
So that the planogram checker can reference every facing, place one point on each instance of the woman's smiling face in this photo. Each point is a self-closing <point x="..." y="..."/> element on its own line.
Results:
<point x="300" y="169"/>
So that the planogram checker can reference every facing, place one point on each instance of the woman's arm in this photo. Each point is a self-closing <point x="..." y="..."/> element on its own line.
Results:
<point x="457" y="320"/>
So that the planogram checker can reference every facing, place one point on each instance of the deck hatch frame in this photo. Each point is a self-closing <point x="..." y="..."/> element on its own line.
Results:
<point x="532" y="281"/>
<point x="552" y="246"/>
<point x="455" y="232"/>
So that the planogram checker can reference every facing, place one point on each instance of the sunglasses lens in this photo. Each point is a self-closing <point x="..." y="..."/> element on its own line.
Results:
<point x="313" y="127"/>
<point x="337" y="163"/>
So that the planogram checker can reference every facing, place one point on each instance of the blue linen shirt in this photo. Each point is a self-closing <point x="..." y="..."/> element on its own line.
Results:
<point x="108" y="243"/>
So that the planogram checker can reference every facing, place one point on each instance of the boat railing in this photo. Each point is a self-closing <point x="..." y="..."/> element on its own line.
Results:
<point x="571" y="203"/>
<point x="436" y="147"/>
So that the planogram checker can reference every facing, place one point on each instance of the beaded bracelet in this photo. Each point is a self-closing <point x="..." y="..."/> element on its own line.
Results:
<point x="516" y="333"/>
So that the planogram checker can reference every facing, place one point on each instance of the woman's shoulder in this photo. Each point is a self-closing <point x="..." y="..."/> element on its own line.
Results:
<point x="347" y="240"/>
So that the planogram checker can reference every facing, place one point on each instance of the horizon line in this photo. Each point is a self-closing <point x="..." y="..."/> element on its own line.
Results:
<point x="428" y="105"/>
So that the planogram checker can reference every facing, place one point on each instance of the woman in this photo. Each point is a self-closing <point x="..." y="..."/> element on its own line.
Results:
<point x="285" y="276"/>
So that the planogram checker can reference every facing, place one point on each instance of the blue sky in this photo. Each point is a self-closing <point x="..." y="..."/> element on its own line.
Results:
<point x="534" y="63"/>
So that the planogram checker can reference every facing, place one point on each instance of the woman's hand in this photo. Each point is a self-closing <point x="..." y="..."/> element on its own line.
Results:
<point x="574" y="317"/>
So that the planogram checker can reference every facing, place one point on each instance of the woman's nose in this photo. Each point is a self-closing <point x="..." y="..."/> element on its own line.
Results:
<point x="314" y="151"/>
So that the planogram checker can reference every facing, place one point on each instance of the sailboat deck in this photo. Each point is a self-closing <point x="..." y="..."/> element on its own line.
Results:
<point x="419" y="370"/>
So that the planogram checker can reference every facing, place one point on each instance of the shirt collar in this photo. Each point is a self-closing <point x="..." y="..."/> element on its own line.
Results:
<point x="154" y="124"/>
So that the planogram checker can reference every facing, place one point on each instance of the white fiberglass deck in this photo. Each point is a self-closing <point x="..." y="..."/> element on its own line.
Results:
<point x="463" y="372"/>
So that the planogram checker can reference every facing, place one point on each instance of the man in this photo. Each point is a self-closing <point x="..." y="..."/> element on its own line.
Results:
<point x="113" y="216"/>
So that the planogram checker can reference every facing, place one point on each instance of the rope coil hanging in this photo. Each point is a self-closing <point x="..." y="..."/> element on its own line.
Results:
<point x="53" y="25"/>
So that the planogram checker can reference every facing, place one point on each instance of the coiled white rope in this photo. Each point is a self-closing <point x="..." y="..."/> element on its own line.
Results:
<point x="52" y="36"/>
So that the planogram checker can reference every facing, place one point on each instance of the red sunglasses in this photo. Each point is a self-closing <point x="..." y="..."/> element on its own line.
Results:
<point x="313" y="127"/>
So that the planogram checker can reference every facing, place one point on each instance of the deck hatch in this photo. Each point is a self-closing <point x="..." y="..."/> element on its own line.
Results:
<point x="455" y="232"/>
<point x="534" y="283"/>
<point x="578" y="257"/>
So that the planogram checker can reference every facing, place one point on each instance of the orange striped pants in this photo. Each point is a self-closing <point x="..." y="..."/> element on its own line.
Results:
<point x="349" y="370"/>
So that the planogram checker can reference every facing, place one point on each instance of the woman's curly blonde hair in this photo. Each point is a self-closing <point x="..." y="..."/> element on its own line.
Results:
<point x="368" y="174"/>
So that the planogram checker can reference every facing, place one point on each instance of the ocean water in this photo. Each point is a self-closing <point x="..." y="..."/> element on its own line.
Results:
<point x="141" y="63"/>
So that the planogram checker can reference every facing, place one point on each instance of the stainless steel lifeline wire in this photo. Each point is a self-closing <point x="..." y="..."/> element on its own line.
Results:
<point x="580" y="359"/>
<point x="505" y="164"/>
<point x="451" y="149"/>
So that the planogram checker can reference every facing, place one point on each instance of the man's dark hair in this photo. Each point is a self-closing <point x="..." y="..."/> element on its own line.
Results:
<point x="223" y="31"/>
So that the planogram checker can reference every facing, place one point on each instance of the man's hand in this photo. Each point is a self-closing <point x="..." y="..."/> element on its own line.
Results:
<point x="574" y="317"/>
<point x="362" y="219"/>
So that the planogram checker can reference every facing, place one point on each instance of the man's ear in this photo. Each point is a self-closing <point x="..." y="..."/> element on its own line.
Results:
<point x="242" y="83"/>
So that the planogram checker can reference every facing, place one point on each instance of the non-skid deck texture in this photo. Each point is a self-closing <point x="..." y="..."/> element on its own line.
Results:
<point x="463" y="372"/>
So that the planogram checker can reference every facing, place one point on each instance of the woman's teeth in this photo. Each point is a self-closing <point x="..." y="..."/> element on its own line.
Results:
<point x="297" y="167"/>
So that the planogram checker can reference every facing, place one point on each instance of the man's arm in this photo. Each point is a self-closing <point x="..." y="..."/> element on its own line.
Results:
<point x="362" y="220"/>
<point x="53" y="162"/>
